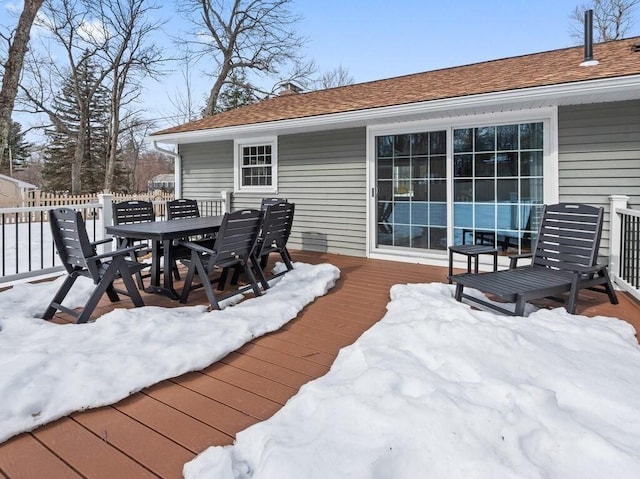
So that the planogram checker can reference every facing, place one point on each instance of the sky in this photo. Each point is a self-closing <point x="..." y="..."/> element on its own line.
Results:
<point x="434" y="389"/>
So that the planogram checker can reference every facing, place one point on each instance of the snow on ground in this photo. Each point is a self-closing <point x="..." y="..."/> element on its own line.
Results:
<point x="442" y="391"/>
<point x="50" y="370"/>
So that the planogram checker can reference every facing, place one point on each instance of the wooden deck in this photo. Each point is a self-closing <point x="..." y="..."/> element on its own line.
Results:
<point x="154" y="432"/>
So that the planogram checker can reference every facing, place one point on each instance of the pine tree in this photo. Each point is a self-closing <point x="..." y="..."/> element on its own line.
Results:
<point x="62" y="139"/>
<point x="18" y="147"/>
<point x="236" y="93"/>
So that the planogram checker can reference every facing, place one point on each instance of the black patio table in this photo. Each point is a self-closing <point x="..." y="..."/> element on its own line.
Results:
<point x="164" y="233"/>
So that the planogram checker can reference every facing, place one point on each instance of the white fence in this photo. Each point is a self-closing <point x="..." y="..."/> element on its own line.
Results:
<point x="624" y="260"/>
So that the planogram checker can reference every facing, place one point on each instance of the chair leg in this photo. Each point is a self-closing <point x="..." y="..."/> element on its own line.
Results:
<point x="613" y="298"/>
<point x="257" y="265"/>
<point x="127" y="279"/>
<point x="286" y="257"/>
<point x="573" y="295"/>
<point x="252" y="278"/>
<point x="105" y="285"/>
<point x="59" y="296"/>
<point x="186" y="288"/>
<point x="520" y="304"/>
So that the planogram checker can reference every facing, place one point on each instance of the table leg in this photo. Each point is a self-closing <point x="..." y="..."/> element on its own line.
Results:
<point x="166" y="287"/>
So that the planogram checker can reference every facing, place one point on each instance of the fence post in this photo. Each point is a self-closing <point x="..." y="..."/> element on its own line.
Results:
<point x="226" y="201"/>
<point x="105" y="217"/>
<point x="615" y="232"/>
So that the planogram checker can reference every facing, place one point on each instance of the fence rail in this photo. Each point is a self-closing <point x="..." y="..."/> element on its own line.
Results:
<point x="625" y="245"/>
<point x="26" y="245"/>
<point x="50" y="200"/>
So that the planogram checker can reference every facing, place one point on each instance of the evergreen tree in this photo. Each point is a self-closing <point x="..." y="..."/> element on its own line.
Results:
<point x="18" y="147"/>
<point x="236" y="93"/>
<point x="63" y="138"/>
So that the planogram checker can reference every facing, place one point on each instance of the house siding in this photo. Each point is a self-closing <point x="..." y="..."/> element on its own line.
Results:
<point x="323" y="173"/>
<point x="207" y="169"/>
<point x="599" y="155"/>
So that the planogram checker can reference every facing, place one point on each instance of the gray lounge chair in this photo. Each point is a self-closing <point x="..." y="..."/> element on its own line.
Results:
<point x="564" y="259"/>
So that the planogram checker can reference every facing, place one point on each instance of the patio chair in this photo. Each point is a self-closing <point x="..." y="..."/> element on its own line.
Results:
<point x="79" y="257"/>
<point x="135" y="211"/>
<point x="564" y="259"/>
<point x="273" y="237"/>
<point x="233" y="247"/>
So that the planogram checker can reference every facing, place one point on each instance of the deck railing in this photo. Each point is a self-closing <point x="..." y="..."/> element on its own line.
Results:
<point x="26" y="246"/>
<point x="625" y="245"/>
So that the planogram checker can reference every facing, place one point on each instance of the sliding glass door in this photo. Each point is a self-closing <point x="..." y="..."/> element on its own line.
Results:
<point x="494" y="194"/>
<point x="411" y="186"/>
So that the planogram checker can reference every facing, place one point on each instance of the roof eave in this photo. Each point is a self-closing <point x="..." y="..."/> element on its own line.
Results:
<point x="600" y="90"/>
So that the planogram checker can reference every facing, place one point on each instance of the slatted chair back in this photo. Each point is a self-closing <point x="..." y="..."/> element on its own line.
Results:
<point x="182" y="208"/>
<point x="274" y="235"/>
<point x="271" y="201"/>
<point x="80" y="258"/>
<point x="237" y="237"/>
<point x="71" y="240"/>
<point x="569" y="236"/>
<point x="133" y="211"/>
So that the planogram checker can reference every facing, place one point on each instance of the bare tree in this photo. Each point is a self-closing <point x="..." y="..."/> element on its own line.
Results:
<point x="251" y="35"/>
<point x="18" y="42"/>
<point x="111" y="36"/>
<point x="612" y="19"/>
<point x="128" y="58"/>
<point x="339" y="76"/>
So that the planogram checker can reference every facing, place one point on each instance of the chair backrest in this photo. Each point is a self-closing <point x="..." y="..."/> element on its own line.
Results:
<point x="237" y="236"/>
<point x="271" y="201"/>
<point x="182" y="208"/>
<point x="133" y="211"/>
<point x="276" y="227"/>
<point x="569" y="235"/>
<point x="72" y="241"/>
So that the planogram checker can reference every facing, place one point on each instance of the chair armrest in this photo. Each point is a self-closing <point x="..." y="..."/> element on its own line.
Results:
<point x="513" y="259"/>
<point x="118" y="252"/>
<point x="576" y="268"/>
<point x="195" y="247"/>
<point x="102" y="241"/>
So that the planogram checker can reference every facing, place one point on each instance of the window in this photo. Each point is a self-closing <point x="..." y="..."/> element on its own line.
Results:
<point x="256" y="165"/>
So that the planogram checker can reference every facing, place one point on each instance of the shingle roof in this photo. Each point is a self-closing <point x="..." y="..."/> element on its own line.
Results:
<point x="616" y="59"/>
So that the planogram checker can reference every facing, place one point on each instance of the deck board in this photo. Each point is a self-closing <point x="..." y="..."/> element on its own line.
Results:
<point x="153" y="432"/>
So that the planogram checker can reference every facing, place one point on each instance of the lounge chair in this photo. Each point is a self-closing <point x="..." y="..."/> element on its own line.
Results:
<point x="564" y="259"/>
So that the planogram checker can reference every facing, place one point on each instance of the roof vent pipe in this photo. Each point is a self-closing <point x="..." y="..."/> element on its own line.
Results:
<point x="588" y="40"/>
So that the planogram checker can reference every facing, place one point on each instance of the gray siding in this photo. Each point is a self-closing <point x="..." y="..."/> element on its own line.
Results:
<point x="599" y="155"/>
<point x="324" y="174"/>
<point x="207" y="169"/>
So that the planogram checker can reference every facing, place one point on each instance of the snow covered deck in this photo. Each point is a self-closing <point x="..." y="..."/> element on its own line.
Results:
<point x="155" y="432"/>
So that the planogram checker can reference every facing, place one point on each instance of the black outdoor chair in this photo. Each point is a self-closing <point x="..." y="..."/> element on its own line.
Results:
<point x="273" y="237"/>
<point x="564" y="259"/>
<point x="130" y="212"/>
<point x="187" y="208"/>
<point x="79" y="257"/>
<point x="233" y="247"/>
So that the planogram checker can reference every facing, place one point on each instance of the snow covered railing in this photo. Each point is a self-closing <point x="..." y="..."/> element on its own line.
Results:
<point x="624" y="262"/>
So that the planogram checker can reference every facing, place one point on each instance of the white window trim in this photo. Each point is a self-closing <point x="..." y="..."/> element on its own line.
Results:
<point x="547" y="115"/>
<point x="238" y="145"/>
